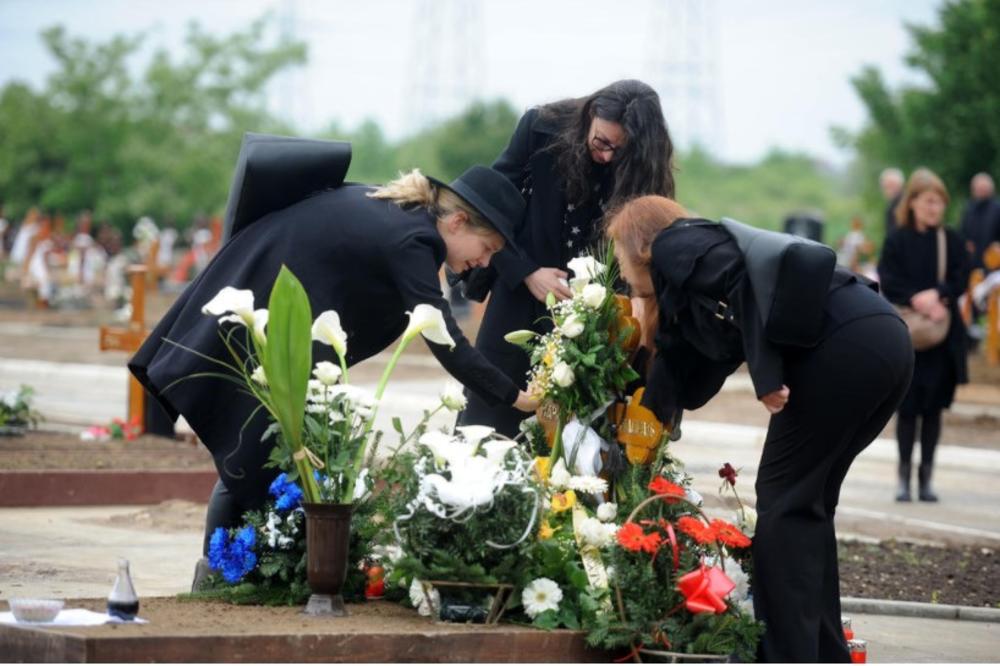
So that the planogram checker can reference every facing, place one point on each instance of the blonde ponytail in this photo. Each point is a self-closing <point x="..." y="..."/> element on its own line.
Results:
<point x="415" y="189"/>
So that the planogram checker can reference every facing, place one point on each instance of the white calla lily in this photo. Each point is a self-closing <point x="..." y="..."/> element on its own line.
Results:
<point x="475" y="433"/>
<point x="453" y="396"/>
<point x="230" y="299"/>
<point x="578" y="284"/>
<point x="428" y="321"/>
<point x="496" y="449"/>
<point x="327" y="329"/>
<point x="260" y="324"/>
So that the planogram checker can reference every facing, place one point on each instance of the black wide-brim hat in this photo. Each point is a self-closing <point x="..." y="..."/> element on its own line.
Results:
<point x="493" y="195"/>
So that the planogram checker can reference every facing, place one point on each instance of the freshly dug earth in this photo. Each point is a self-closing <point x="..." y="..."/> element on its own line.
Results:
<point x="50" y="450"/>
<point x="960" y="575"/>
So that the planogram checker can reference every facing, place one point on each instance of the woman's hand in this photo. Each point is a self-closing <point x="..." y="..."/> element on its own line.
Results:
<point x="525" y="402"/>
<point x="546" y="280"/>
<point x="775" y="401"/>
<point x="938" y="312"/>
<point x="926" y="301"/>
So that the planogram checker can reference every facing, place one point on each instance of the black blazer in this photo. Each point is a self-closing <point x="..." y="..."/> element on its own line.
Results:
<point x="368" y="259"/>
<point x="699" y="343"/>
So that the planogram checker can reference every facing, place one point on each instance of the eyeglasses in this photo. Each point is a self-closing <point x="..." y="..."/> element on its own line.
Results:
<point x="603" y="145"/>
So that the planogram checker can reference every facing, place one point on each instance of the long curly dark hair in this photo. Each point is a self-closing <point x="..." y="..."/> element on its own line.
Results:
<point x="644" y="165"/>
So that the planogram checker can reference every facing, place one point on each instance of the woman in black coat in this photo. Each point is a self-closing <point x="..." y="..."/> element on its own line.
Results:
<point x="571" y="160"/>
<point x="908" y="271"/>
<point x="369" y="254"/>
<point x="829" y="398"/>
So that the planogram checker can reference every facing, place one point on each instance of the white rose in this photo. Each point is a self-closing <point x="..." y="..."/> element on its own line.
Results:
<point x="572" y="326"/>
<point x="586" y="267"/>
<point x="594" y="295"/>
<point x="607" y="511"/>
<point x="452" y="396"/>
<point x="563" y="375"/>
<point x="327" y="373"/>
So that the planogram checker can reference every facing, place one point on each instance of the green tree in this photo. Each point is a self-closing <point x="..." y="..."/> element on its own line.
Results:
<point x="949" y="123"/>
<point x="163" y="145"/>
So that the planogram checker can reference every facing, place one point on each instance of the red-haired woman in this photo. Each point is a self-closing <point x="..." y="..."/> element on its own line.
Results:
<point x="829" y="398"/>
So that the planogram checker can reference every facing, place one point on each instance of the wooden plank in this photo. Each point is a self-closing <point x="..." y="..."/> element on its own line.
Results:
<point x="103" y="487"/>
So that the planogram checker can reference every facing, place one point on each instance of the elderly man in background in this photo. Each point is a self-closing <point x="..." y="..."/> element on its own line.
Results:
<point x="981" y="218"/>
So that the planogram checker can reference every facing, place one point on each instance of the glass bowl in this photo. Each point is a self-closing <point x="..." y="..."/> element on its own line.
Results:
<point x="35" y="610"/>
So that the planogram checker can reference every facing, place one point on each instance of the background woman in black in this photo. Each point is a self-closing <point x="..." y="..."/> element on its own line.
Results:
<point x="828" y="401"/>
<point x="371" y="255"/>
<point x="908" y="271"/>
<point x="571" y="160"/>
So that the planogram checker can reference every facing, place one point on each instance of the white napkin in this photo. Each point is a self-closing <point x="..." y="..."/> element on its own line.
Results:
<point x="73" y="617"/>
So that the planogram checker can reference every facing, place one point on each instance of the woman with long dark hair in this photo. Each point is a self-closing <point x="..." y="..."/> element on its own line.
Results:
<point x="909" y="272"/>
<point x="830" y="394"/>
<point x="572" y="160"/>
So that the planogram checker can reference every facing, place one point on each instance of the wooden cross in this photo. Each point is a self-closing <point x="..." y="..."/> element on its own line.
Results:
<point x="129" y="339"/>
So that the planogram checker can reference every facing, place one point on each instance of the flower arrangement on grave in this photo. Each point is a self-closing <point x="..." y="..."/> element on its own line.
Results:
<point x="323" y="426"/>
<point x="464" y="521"/>
<point x="679" y="579"/>
<point x="16" y="412"/>
<point x="118" y="429"/>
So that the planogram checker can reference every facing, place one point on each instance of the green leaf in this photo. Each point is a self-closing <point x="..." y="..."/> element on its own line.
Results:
<point x="288" y="361"/>
<point x="397" y="424"/>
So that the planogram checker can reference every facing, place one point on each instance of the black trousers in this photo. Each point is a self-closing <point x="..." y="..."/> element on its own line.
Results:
<point x="843" y="392"/>
<point x="224" y="510"/>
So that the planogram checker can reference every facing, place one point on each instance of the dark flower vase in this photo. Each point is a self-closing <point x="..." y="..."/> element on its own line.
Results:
<point x="328" y="539"/>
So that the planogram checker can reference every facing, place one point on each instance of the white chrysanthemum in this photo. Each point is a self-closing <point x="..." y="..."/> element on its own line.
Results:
<point x="588" y="484"/>
<point x="452" y="396"/>
<point x="593" y="295"/>
<point x="607" y="512"/>
<point x="258" y="375"/>
<point x="559" y="477"/>
<point x="327" y="373"/>
<point x="275" y="538"/>
<point x="563" y="375"/>
<point x="419" y="598"/>
<point x="541" y="595"/>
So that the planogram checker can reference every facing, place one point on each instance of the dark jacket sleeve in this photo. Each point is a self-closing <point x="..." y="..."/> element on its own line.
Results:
<point x="512" y="266"/>
<point x="894" y="282"/>
<point x="415" y="272"/>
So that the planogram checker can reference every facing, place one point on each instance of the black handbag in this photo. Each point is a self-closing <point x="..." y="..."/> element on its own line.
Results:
<point x="274" y="172"/>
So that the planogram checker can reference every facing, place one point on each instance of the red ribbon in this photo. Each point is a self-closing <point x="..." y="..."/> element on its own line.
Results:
<point x="705" y="589"/>
<point x="673" y="544"/>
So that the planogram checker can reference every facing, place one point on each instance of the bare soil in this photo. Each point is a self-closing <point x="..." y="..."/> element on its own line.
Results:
<point x="39" y="450"/>
<point x="960" y="575"/>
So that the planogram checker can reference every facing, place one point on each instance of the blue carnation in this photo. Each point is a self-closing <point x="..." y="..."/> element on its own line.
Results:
<point x="234" y="558"/>
<point x="287" y="493"/>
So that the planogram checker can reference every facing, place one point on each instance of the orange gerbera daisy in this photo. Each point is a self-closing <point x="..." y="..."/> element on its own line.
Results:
<point x="631" y="537"/>
<point x="661" y="486"/>
<point x="651" y="542"/>
<point x="696" y="529"/>
<point x="729" y="534"/>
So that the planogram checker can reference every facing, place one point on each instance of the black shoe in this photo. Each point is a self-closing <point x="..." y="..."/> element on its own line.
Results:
<point x="903" y="490"/>
<point x="926" y="493"/>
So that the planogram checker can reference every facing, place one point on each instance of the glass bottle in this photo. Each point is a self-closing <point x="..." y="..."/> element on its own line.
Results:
<point x="123" y="602"/>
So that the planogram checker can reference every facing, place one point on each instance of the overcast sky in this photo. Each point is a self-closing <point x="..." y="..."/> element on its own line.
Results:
<point x="774" y="72"/>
